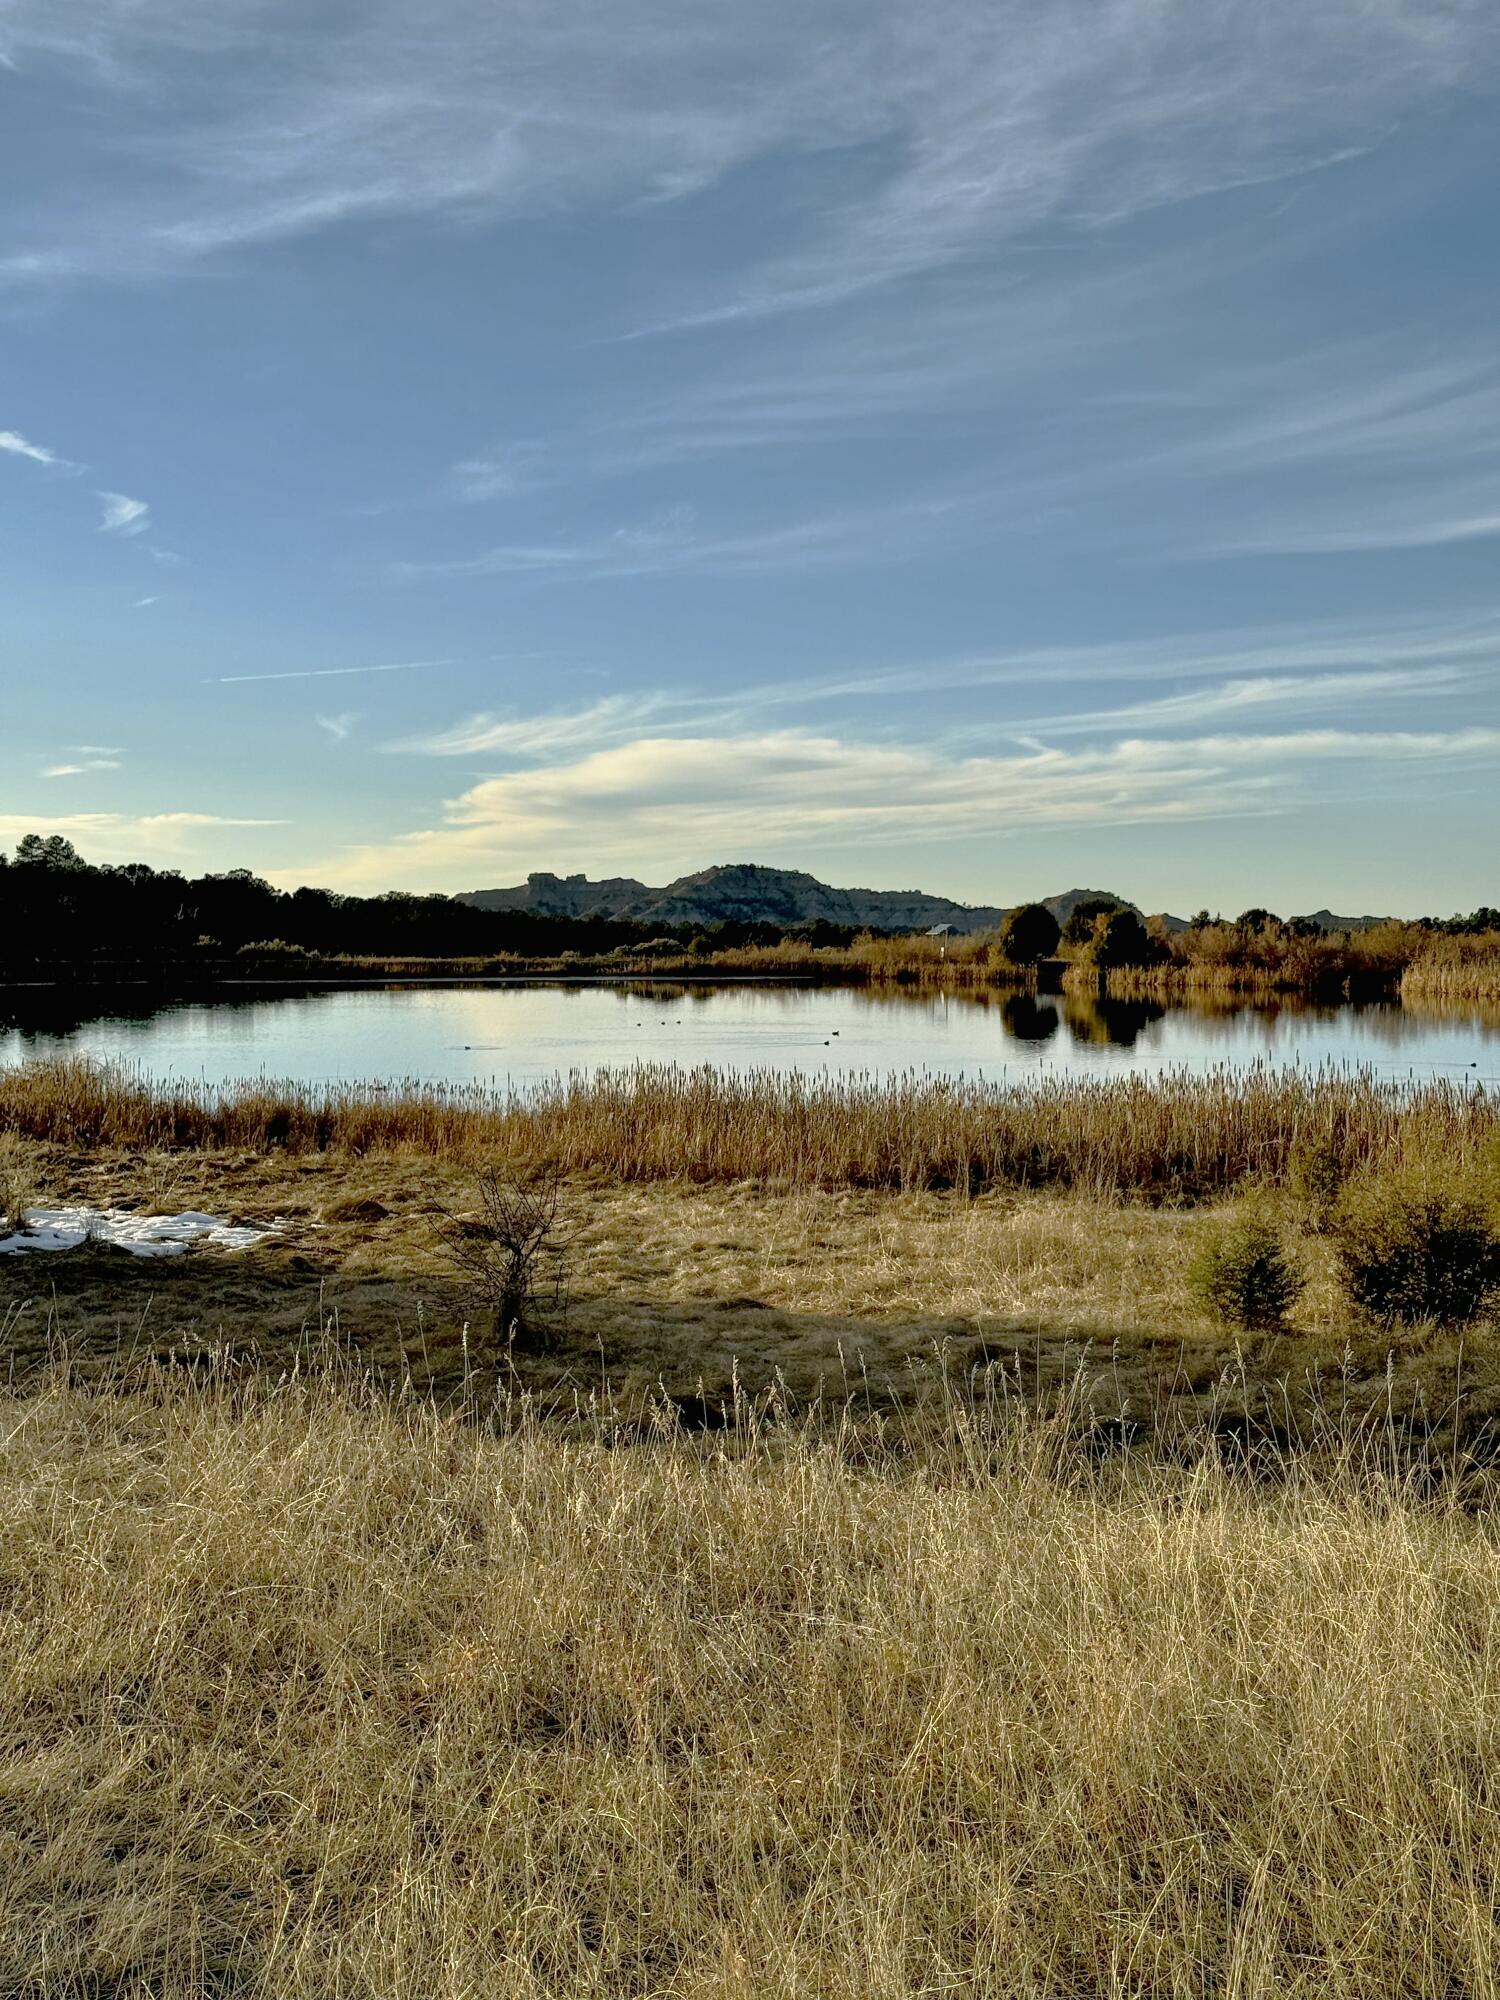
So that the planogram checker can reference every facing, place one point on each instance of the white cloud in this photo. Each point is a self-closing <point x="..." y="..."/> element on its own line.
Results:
<point x="165" y="820"/>
<point x="651" y="803"/>
<point x="124" y="516"/>
<point x="115" y="836"/>
<point x="99" y="762"/>
<point x="144" y="603"/>
<point x="338" y="726"/>
<point x="20" y="447"/>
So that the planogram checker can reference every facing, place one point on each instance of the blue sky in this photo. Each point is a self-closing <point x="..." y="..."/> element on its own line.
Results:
<point x="985" y="448"/>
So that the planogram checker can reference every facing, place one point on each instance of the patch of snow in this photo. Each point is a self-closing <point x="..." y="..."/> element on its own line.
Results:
<point x="142" y="1235"/>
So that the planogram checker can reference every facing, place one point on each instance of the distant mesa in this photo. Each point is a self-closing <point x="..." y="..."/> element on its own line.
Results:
<point x="1327" y="921"/>
<point x="743" y="892"/>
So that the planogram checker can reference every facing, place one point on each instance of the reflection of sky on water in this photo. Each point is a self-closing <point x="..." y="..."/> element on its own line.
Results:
<point x="465" y="1034"/>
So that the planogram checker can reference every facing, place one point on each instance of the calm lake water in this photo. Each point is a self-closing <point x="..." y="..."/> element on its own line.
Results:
<point x="518" y="1034"/>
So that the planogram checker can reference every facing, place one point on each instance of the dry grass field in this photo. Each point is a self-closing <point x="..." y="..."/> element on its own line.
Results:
<point x="883" y="1240"/>
<point x="689" y="1287"/>
<point x="886" y="1579"/>
<point x="305" y="1691"/>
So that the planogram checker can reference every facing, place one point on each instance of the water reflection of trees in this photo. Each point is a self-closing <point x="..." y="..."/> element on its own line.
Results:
<point x="48" y="1013"/>
<point x="1028" y="1019"/>
<point x="43" y="1015"/>
<point x="1104" y="1022"/>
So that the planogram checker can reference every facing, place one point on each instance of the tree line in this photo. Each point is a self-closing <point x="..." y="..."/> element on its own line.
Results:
<point x="57" y="909"/>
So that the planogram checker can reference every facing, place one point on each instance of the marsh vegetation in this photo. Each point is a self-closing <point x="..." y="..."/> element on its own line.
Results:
<point x="943" y="1540"/>
<point x="1279" y="1233"/>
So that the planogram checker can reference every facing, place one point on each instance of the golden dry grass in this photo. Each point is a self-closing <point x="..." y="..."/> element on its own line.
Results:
<point x="1455" y="968"/>
<point x="304" y="1692"/>
<point x="687" y="1287"/>
<point x="1178" y="1137"/>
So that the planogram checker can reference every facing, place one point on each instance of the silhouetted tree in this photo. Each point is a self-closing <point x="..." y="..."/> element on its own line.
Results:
<point x="1120" y="938"/>
<point x="35" y="850"/>
<point x="1079" y="928"/>
<point x="1029" y="933"/>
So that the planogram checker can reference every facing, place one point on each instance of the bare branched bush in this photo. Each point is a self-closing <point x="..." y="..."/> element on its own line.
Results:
<point x="508" y="1254"/>
<point x="165" y="1174"/>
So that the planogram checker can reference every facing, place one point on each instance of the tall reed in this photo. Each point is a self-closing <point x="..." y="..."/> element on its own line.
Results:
<point x="1182" y="1136"/>
<point x="1455" y="968"/>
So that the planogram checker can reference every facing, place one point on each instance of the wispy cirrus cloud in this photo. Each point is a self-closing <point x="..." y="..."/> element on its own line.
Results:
<point x="675" y="541"/>
<point x="21" y="447"/>
<point x="341" y="726"/>
<point x="122" y="515"/>
<point x="1387" y="451"/>
<point x="1336" y="693"/>
<point x="928" y="134"/>
<point x="1373" y="523"/>
<point x="1346" y="667"/>
<point x="612" y="718"/>
<point x="1378" y="447"/>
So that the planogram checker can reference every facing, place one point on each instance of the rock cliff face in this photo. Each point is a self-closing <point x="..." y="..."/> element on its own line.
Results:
<point x="744" y="892"/>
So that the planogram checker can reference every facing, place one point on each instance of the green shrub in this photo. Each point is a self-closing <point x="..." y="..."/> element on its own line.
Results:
<point x="1318" y="1169"/>
<point x="1244" y="1272"/>
<point x="1412" y="1247"/>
